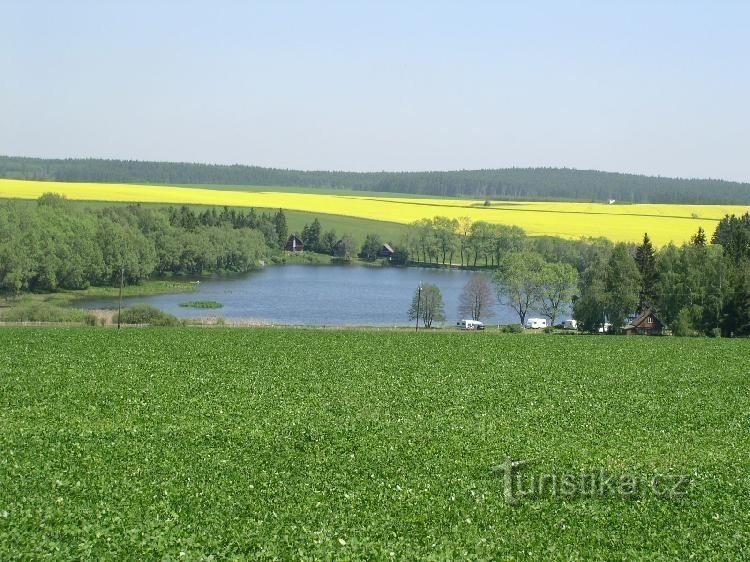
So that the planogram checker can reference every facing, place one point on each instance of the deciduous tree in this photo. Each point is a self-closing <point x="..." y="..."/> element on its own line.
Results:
<point x="477" y="300"/>
<point x="428" y="305"/>
<point x="518" y="281"/>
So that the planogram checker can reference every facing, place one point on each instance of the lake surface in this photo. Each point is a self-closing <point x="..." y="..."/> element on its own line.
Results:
<point x="317" y="295"/>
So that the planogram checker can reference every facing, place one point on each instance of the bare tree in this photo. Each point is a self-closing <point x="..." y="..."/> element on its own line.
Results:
<point x="477" y="299"/>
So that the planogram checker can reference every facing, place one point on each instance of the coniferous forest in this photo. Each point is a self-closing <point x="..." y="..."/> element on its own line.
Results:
<point x="509" y="184"/>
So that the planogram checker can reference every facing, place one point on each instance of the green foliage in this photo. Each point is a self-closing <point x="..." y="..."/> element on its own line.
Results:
<point x="645" y="259"/>
<point x="559" y="281"/>
<point x="327" y="241"/>
<point x="519" y="280"/>
<point x="682" y="325"/>
<point x="371" y="247"/>
<point x="50" y="199"/>
<point x="37" y="311"/>
<point x="700" y="237"/>
<point x="609" y="291"/>
<point x="441" y="240"/>
<point x="736" y="311"/>
<point x="400" y="256"/>
<point x="427" y="305"/>
<point x="282" y="231"/>
<point x="146" y="314"/>
<point x="622" y="285"/>
<point x="733" y="234"/>
<point x="233" y="444"/>
<point x="201" y="304"/>
<point x="56" y="245"/>
<point x="695" y="279"/>
<point x="505" y="184"/>
<point x="311" y="236"/>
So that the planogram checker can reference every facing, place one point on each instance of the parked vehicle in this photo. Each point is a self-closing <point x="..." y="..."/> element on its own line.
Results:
<point x="535" y="323"/>
<point x="570" y="325"/>
<point x="470" y="325"/>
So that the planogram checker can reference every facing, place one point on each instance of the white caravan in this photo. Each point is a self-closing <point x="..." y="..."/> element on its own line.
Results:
<point x="535" y="323"/>
<point x="469" y="325"/>
<point x="570" y="325"/>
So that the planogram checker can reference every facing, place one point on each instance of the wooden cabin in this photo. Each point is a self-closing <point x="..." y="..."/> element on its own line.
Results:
<point x="647" y="323"/>
<point x="294" y="244"/>
<point x="386" y="251"/>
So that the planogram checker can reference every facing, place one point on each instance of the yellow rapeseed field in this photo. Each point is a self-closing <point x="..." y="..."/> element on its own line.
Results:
<point x="664" y="223"/>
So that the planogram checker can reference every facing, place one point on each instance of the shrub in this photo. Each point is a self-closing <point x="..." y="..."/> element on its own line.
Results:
<point x="147" y="314"/>
<point x="682" y="325"/>
<point x="511" y="329"/>
<point x="36" y="311"/>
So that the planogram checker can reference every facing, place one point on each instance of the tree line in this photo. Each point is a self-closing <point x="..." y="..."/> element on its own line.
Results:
<point x="57" y="245"/>
<point x="506" y="184"/>
<point x="467" y="243"/>
<point x="699" y="288"/>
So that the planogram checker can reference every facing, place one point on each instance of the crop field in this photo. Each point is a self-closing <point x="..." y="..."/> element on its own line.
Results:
<point x="198" y="444"/>
<point x="664" y="223"/>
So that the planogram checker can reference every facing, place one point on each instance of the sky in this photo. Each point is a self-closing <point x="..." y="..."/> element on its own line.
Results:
<point x="655" y="87"/>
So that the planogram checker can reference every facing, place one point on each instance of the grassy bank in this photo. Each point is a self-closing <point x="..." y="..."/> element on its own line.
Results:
<point x="184" y="443"/>
<point x="60" y="306"/>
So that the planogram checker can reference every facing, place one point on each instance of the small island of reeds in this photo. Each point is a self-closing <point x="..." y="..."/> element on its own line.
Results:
<point x="201" y="304"/>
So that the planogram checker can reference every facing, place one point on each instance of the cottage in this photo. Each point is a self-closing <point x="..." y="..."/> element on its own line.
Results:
<point x="386" y="251"/>
<point x="294" y="244"/>
<point x="647" y="323"/>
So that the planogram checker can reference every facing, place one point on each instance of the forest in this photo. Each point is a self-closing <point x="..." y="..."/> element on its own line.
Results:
<point x="59" y="245"/>
<point x="699" y="288"/>
<point x="557" y="184"/>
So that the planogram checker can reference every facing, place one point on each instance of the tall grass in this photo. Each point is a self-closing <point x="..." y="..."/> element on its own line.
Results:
<point x="38" y="311"/>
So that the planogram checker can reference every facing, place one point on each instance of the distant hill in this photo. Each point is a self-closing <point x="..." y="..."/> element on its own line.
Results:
<point x="507" y="184"/>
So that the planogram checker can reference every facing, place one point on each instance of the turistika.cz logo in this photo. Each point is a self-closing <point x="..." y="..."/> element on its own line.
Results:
<point x="519" y="484"/>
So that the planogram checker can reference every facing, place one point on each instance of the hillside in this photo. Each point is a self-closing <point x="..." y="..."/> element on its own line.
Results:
<point x="506" y="184"/>
<point x="572" y="220"/>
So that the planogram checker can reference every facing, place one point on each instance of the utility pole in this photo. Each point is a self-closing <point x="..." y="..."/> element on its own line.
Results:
<point x="419" y="301"/>
<point x="119" y="305"/>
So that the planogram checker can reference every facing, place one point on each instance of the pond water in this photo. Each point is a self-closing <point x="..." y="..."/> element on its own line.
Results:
<point x="317" y="295"/>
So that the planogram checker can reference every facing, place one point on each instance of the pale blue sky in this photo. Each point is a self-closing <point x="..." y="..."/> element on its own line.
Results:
<point x="652" y="87"/>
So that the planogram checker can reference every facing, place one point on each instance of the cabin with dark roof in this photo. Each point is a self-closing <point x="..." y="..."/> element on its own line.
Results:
<point x="386" y="251"/>
<point x="294" y="244"/>
<point x="647" y="323"/>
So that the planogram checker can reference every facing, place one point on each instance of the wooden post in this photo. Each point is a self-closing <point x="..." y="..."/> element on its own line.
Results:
<point x="419" y="301"/>
<point x="119" y="305"/>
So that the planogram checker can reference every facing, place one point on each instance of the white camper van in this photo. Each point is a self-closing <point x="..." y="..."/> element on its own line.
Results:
<point x="469" y="325"/>
<point x="535" y="323"/>
<point x="570" y="325"/>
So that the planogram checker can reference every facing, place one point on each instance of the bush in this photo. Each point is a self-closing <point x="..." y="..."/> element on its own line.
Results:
<point x="36" y="311"/>
<point x="682" y="325"/>
<point x="147" y="314"/>
<point x="511" y="329"/>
